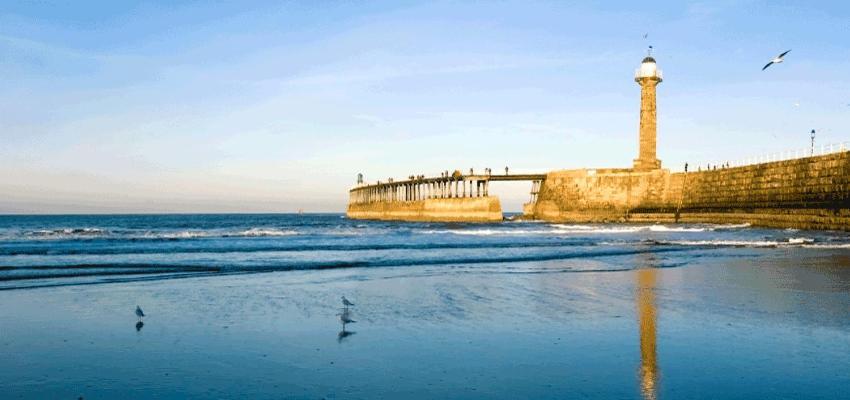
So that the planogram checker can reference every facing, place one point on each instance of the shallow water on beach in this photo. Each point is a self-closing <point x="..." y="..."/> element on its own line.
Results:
<point x="510" y="310"/>
<point x="38" y="251"/>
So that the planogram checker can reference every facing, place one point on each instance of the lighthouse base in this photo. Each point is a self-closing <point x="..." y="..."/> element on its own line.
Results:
<point x="647" y="165"/>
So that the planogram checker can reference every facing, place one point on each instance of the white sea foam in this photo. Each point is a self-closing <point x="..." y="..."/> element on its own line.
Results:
<point x="662" y="228"/>
<point x="67" y="232"/>
<point x="827" y="246"/>
<point x="562" y="228"/>
<point x="800" y="240"/>
<point x="728" y="243"/>
<point x="180" y="235"/>
<point x="730" y="226"/>
<point x="266" y="232"/>
<point x="487" y="232"/>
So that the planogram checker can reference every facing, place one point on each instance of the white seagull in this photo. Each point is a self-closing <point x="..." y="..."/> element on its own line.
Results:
<point x="139" y="313"/>
<point x="778" y="59"/>
<point x="346" y="303"/>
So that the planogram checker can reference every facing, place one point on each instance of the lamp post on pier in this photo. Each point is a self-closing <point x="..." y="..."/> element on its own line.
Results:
<point x="813" y="142"/>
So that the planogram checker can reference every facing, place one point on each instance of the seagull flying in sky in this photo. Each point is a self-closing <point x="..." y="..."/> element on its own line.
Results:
<point x="139" y="313"/>
<point x="778" y="59"/>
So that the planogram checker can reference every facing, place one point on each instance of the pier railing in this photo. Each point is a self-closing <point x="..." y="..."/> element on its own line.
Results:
<point x="792" y="154"/>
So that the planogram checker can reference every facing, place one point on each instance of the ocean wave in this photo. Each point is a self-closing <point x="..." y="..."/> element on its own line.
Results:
<point x="111" y="269"/>
<point x="259" y="232"/>
<point x="827" y="246"/>
<point x="65" y="232"/>
<point x="561" y="228"/>
<point x="178" y="235"/>
<point x="730" y="226"/>
<point x="113" y="249"/>
<point x="194" y="234"/>
<point x="596" y="228"/>
<point x="722" y="243"/>
<point x="484" y="232"/>
<point x="662" y="228"/>
<point x="794" y="242"/>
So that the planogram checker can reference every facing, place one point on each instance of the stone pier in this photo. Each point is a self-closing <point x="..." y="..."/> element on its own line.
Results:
<point x="449" y="198"/>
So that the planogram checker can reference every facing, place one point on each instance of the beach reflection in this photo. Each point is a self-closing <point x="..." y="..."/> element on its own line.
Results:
<point x="345" y="318"/>
<point x="343" y="334"/>
<point x="646" y="313"/>
<point x="139" y="326"/>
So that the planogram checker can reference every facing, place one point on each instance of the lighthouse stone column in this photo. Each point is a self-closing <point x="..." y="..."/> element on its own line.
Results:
<point x="648" y="76"/>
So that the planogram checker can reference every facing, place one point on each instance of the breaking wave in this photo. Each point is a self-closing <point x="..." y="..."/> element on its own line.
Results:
<point x="177" y="235"/>
<point x="560" y="229"/>
<point x="254" y="232"/>
<point x="827" y="246"/>
<point x="790" y="242"/>
<point x="67" y="232"/>
<point x="722" y="243"/>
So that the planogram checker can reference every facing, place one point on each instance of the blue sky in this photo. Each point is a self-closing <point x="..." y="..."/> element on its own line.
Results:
<point x="262" y="106"/>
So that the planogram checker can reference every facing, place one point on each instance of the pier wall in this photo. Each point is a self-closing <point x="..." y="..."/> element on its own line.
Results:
<point x="462" y="209"/>
<point x="806" y="193"/>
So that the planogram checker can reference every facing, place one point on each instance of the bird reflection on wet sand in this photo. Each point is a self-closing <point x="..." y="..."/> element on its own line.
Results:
<point x="139" y="326"/>
<point x="344" y="334"/>
<point x="345" y="318"/>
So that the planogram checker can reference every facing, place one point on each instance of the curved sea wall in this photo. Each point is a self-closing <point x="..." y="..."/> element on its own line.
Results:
<point x="806" y="193"/>
<point x="463" y="209"/>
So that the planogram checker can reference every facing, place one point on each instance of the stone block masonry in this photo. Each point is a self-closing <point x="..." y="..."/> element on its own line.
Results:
<point x="806" y="193"/>
<point x="461" y="209"/>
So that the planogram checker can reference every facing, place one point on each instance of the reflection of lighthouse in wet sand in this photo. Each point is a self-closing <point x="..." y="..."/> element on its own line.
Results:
<point x="646" y="323"/>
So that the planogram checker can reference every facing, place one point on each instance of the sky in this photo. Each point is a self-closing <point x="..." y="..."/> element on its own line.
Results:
<point x="190" y="106"/>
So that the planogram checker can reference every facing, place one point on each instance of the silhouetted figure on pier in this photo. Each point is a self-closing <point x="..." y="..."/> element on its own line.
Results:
<point x="506" y="170"/>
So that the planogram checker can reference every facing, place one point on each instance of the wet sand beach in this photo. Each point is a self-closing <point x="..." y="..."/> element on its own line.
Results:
<point x="727" y="323"/>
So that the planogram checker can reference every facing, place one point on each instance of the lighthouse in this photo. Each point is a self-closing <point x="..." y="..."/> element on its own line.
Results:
<point x="648" y="76"/>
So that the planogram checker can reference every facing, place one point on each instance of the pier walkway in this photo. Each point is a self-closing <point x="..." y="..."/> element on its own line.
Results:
<point x="449" y="186"/>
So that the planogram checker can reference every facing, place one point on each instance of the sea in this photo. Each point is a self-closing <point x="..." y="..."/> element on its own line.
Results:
<point x="249" y="306"/>
<point x="37" y="251"/>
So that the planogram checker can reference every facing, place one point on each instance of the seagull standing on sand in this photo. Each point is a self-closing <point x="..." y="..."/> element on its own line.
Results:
<point x="139" y="313"/>
<point x="778" y="59"/>
<point x="346" y="303"/>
